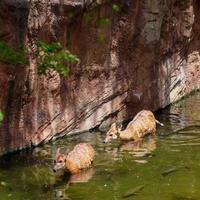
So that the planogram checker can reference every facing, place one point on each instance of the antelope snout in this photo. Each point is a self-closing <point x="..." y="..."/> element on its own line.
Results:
<point x="106" y="140"/>
<point x="54" y="170"/>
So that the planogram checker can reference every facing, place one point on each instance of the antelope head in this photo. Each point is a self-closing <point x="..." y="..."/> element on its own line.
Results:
<point x="59" y="161"/>
<point x="112" y="133"/>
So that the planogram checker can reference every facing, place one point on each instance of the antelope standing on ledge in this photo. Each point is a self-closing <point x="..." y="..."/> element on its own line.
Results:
<point x="79" y="158"/>
<point x="142" y="124"/>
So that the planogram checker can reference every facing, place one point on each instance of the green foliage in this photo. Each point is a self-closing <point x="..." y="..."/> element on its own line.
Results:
<point x="89" y="17"/>
<point x="54" y="56"/>
<point x="115" y="7"/>
<point x="11" y="56"/>
<point x="104" y="21"/>
<point x="101" y="38"/>
<point x="1" y="116"/>
<point x="71" y="14"/>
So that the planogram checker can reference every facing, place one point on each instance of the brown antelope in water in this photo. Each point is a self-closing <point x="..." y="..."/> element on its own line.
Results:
<point x="79" y="158"/>
<point x="142" y="124"/>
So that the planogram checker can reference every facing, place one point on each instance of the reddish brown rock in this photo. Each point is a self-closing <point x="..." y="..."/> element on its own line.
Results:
<point x="145" y="56"/>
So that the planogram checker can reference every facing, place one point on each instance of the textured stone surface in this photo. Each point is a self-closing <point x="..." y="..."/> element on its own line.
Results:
<point x="145" y="56"/>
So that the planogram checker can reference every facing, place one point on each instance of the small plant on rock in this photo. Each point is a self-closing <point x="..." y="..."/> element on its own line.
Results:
<point x="1" y="116"/>
<point x="10" y="55"/>
<point x="54" y="56"/>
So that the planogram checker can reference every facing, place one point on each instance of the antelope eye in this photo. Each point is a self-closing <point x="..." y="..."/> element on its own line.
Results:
<point x="60" y="161"/>
<point x="111" y="134"/>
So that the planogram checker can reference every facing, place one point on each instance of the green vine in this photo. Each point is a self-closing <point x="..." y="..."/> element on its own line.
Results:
<point x="10" y="55"/>
<point x="54" y="56"/>
<point x="104" y="21"/>
<point x="1" y="116"/>
<point x="116" y="8"/>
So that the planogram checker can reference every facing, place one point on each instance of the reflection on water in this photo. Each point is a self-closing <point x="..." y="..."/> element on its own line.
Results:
<point x="140" y="148"/>
<point x="83" y="177"/>
<point x="119" y="167"/>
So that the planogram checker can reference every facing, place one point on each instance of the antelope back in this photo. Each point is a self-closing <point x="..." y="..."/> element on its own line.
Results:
<point x="80" y="157"/>
<point x="143" y="123"/>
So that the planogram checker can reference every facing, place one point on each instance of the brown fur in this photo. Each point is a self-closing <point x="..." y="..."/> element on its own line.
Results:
<point x="142" y="124"/>
<point x="79" y="158"/>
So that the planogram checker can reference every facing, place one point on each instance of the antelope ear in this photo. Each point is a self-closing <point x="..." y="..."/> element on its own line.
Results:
<point x="67" y="151"/>
<point x="58" y="151"/>
<point x="120" y="127"/>
<point x="114" y="125"/>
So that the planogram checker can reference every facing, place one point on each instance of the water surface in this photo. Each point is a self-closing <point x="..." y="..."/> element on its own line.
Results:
<point x="168" y="165"/>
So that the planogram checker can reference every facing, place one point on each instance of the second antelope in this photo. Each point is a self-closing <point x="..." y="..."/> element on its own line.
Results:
<point x="79" y="158"/>
<point x="142" y="124"/>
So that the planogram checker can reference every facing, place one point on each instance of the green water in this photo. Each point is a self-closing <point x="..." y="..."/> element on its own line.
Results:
<point x="119" y="167"/>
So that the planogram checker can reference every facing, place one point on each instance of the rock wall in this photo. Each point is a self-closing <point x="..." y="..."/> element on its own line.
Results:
<point x="134" y="55"/>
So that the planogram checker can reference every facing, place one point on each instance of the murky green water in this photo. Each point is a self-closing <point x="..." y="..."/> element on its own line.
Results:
<point x="168" y="166"/>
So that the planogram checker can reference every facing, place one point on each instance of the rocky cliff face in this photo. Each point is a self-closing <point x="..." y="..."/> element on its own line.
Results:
<point x="134" y="55"/>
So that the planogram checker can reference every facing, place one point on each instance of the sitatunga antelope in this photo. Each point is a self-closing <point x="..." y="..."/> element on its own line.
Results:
<point x="142" y="124"/>
<point x="79" y="158"/>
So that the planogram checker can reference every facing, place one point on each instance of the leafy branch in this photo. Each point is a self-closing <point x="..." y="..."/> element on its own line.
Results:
<point x="1" y="116"/>
<point x="54" y="56"/>
<point x="10" y="55"/>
